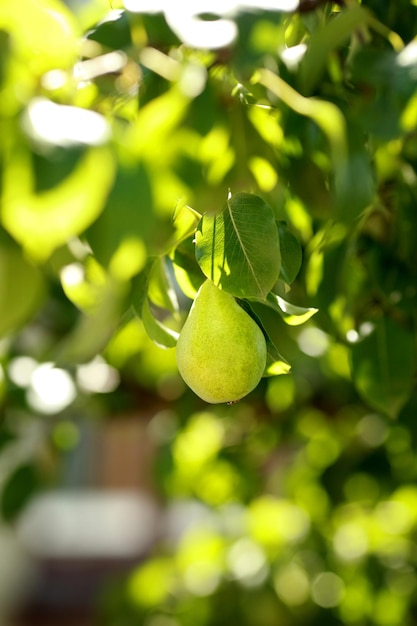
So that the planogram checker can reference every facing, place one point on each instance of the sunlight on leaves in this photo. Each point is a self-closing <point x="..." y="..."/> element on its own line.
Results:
<point x="43" y="221"/>
<point x="45" y="33"/>
<point x="292" y="315"/>
<point x="238" y="249"/>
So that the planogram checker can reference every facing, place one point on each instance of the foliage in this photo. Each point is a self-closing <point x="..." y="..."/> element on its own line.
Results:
<point x="272" y="150"/>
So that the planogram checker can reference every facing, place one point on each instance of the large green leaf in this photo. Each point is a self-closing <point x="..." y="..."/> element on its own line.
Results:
<point x="383" y="366"/>
<point x="238" y="249"/>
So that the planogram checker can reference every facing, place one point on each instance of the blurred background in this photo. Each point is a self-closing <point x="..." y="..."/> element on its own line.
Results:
<point x="126" y="500"/>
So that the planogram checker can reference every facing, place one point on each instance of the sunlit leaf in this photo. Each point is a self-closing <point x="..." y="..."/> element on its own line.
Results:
<point x="44" y="33"/>
<point x="238" y="249"/>
<point x="43" y="221"/>
<point x="185" y="222"/>
<point x="292" y="315"/>
<point x="383" y="366"/>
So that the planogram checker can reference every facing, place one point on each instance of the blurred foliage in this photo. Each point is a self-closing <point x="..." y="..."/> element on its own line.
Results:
<point x="141" y="151"/>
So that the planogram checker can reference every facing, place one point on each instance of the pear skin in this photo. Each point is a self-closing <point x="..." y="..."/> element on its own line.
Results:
<point x="221" y="351"/>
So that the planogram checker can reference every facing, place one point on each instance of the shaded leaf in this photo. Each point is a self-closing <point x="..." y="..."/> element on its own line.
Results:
<point x="291" y="253"/>
<point x="238" y="249"/>
<point x="20" y="486"/>
<point x="140" y="285"/>
<point x="326" y="39"/>
<point x="383" y="366"/>
<point x="157" y="331"/>
<point x="275" y="362"/>
<point x="160" y="287"/>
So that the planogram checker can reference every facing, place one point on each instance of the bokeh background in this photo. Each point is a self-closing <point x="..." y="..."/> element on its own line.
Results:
<point x="125" y="500"/>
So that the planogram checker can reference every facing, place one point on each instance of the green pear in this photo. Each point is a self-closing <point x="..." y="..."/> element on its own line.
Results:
<point x="221" y="351"/>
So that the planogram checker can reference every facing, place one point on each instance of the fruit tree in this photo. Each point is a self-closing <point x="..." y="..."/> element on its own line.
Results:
<point x="210" y="207"/>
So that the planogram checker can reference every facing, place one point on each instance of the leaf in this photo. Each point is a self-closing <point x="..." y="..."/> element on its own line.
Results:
<point x="159" y="333"/>
<point x="291" y="314"/>
<point x="185" y="222"/>
<point x="275" y="362"/>
<point x="45" y="221"/>
<point x="325" y="114"/>
<point x="20" y="486"/>
<point x="326" y="39"/>
<point x="291" y="254"/>
<point x="160" y="287"/>
<point x="238" y="249"/>
<point x="383" y="366"/>
<point x="140" y="285"/>
<point x="187" y="272"/>
<point x="21" y="289"/>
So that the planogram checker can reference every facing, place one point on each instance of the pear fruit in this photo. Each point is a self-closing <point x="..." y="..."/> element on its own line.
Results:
<point x="221" y="351"/>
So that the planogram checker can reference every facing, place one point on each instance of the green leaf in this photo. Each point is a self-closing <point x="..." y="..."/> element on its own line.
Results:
<point x="291" y="253"/>
<point x="291" y="314"/>
<point x="275" y="362"/>
<point x="20" y="486"/>
<point x="185" y="222"/>
<point x="45" y="221"/>
<point x="113" y="33"/>
<point x="238" y="249"/>
<point x="140" y="284"/>
<point x="160" y="287"/>
<point x="159" y="333"/>
<point x="326" y="39"/>
<point x="21" y="289"/>
<point x="383" y="366"/>
<point x="187" y="271"/>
